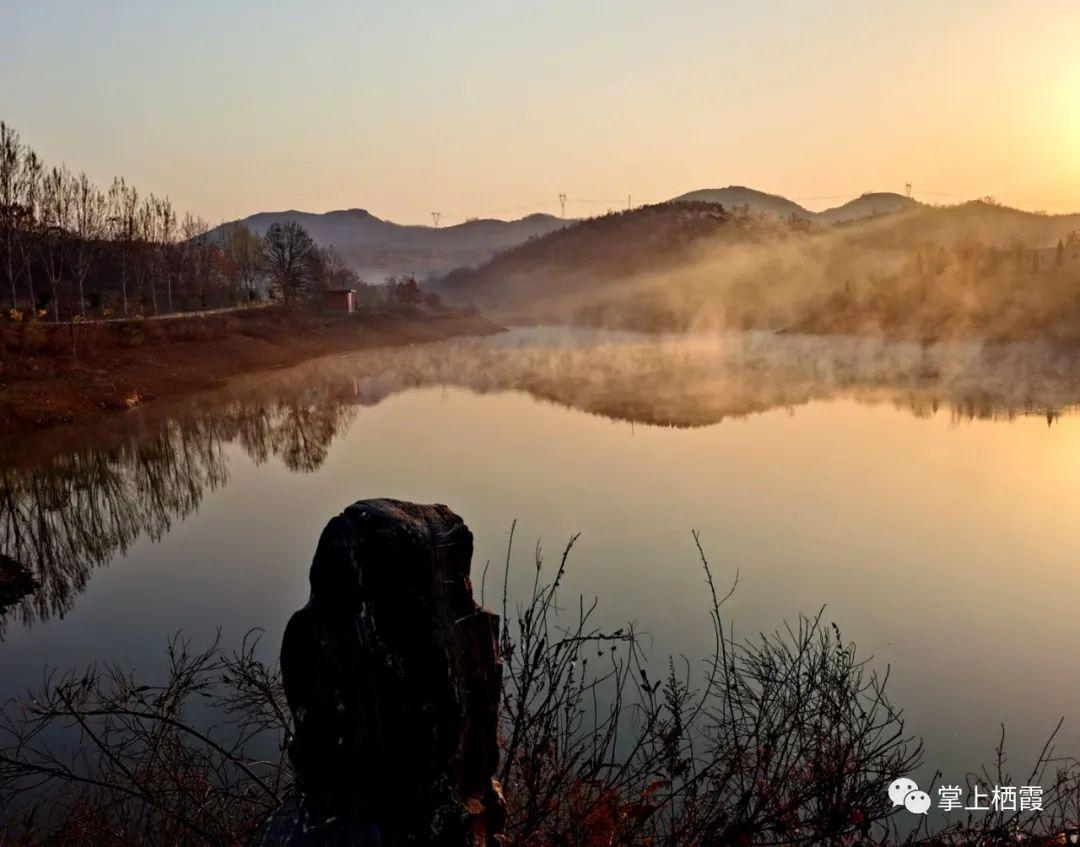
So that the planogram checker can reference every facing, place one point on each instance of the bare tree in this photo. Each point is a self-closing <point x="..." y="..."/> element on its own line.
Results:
<point x="10" y="167"/>
<point x="123" y="209"/>
<point x="244" y="249"/>
<point x="146" y="254"/>
<point x="66" y="228"/>
<point x="166" y="230"/>
<point x="288" y="251"/>
<point x="28" y="220"/>
<point x="335" y="273"/>
<point x="197" y="256"/>
<point x="90" y="213"/>
<point x="56" y="219"/>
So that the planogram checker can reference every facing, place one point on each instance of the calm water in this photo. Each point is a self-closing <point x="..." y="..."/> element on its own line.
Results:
<point x="926" y="496"/>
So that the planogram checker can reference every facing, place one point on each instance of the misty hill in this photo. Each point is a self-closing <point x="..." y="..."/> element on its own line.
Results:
<point x="866" y="206"/>
<point x="982" y="221"/>
<point x="555" y="277"/>
<point x="377" y="248"/>
<point x="975" y="269"/>
<point x="738" y="197"/>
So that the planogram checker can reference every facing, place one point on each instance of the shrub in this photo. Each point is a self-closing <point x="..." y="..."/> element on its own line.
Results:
<point x="787" y="738"/>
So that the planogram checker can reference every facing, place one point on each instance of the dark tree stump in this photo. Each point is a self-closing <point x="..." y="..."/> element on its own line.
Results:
<point x="16" y="581"/>
<point x="392" y="673"/>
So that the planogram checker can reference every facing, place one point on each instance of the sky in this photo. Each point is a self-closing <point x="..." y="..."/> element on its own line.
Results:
<point x="493" y="108"/>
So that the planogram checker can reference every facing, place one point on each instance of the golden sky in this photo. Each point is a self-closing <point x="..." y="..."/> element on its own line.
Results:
<point x="493" y="109"/>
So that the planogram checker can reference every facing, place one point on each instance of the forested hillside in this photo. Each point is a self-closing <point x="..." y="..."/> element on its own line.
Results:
<point x="974" y="270"/>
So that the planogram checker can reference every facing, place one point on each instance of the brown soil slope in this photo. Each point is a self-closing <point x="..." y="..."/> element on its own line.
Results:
<point x="51" y="375"/>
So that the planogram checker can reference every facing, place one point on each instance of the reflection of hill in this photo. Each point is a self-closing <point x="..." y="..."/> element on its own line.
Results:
<point x="71" y="500"/>
<point x="697" y="380"/>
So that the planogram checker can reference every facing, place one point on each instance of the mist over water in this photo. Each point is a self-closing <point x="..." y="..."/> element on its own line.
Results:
<point x="921" y="492"/>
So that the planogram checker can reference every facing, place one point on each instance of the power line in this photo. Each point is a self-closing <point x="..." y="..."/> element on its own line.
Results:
<point x="453" y="215"/>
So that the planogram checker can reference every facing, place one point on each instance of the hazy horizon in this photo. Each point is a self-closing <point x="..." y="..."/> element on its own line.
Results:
<point x="479" y="110"/>
<point x="839" y="200"/>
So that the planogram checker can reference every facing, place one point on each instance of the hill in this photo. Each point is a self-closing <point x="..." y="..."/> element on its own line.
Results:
<point x="866" y="206"/>
<point x="378" y="248"/>
<point x="736" y="197"/>
<point x="573" y="274"/>
<point x="973" y="270"/>
<point x="739" y="197"/>
<point x="983" y="221"/>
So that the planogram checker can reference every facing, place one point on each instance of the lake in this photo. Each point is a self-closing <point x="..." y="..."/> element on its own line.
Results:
<point x="925" y="495"/>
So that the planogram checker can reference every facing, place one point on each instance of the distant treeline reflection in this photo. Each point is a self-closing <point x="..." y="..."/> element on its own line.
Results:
<point x="73" y="500"/>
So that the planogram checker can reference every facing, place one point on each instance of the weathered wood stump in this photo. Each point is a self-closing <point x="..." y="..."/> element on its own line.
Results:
<point x="392" y="673"/>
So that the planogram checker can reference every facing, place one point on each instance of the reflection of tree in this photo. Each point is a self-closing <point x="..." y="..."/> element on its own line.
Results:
<point x="303" y="434"/>
<point x="298" y="433"/>
<point x="79" y="509"/>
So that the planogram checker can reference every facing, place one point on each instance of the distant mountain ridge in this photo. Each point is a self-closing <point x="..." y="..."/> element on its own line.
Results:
<point x="376" y="248"/>
<point x="736" y="196"/>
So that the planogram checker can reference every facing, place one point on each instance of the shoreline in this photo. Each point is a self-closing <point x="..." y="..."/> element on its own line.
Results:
<point x="121" y="367"/>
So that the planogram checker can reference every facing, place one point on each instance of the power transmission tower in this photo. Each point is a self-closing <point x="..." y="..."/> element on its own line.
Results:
<point x="629" y="205"/>
<point x="562" y="204"/>
<point x="435" y="217"/>
<point x="907" y="186"/>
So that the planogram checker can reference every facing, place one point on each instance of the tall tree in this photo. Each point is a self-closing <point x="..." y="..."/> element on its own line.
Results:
<point x="56" y="200"/>
<point x="245" y="250"/>
<point x="288" y="252"/>
<point x="90" y="213"/>
<point x="28" y="229"/>
<point x="146" y="251"/>
<point x="10" y="170"/>
<point x="123" y="217"/>
<point x="166" y="229"/>
<point x="334" y="272"/>
<point x="198" y="256"/>
<point x="64" y="227"/>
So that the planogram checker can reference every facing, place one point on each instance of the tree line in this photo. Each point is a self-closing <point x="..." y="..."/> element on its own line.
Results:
<point x="71" y="250"/>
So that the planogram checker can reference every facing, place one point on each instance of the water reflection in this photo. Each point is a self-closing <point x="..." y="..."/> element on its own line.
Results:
<point x="79" y="508"/>
<point x="73" y="499"/>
